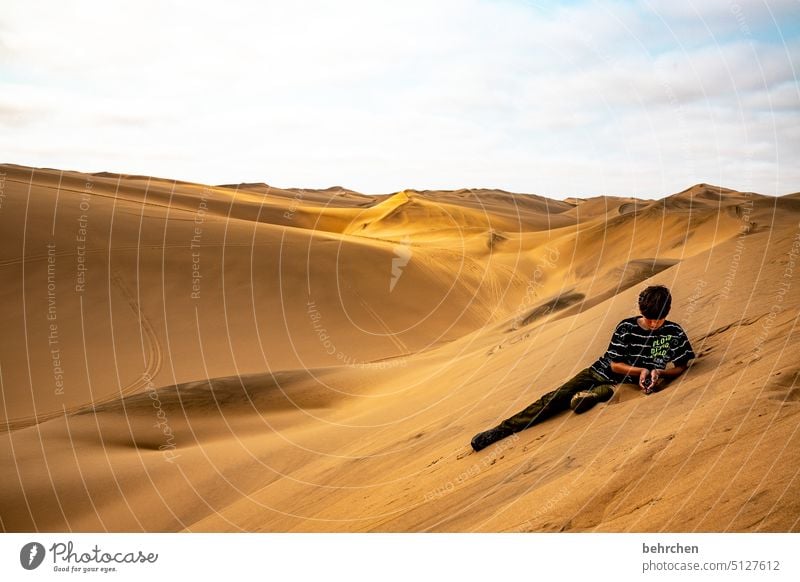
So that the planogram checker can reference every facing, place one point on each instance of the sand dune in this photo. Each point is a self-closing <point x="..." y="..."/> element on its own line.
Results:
<point x="177" y="356"/>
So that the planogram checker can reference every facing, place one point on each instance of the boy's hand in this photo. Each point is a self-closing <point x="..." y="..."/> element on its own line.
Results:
<point x="655" y="375"/>
<point x="644" y="376"/>
<point x="648" y="379"/>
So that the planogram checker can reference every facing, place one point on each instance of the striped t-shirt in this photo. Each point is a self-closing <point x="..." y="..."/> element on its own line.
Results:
<point x="633" y="345"/>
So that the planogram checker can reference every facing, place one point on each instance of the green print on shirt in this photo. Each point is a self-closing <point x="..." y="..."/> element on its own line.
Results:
<point x="659" y="347"/>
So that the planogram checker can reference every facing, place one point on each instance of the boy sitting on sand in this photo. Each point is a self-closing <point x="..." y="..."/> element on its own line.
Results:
<point x="640" y="349"/>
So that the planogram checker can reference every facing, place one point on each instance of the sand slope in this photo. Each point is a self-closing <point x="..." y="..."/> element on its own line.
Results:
<point x="186" y="357"/>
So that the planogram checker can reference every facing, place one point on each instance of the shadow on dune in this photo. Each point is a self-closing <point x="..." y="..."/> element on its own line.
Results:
<point x="557" y="303"/>
<point x="285" y="390"/>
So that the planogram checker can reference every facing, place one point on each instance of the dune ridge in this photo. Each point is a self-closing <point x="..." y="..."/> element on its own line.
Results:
<point x="186" y="357"/>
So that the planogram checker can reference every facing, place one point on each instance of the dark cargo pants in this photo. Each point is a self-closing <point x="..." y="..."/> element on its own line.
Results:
<point x="558" y="400"/>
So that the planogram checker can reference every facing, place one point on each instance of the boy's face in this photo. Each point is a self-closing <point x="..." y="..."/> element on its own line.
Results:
<point x="652" y="323"/>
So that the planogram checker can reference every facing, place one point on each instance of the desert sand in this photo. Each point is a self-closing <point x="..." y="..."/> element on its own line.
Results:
<point x="182" y="357"/>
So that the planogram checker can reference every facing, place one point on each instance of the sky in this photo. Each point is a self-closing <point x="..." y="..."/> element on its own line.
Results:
<point x="575" y="98"/>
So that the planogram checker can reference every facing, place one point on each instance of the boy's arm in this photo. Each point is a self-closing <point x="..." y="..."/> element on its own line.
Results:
<point x="627" y="369"/>
<point x="645" y="379"/>
<point x="672" y="372"/>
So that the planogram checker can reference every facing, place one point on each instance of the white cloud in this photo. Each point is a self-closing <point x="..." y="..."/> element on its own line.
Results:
<point x="378" y="96"/>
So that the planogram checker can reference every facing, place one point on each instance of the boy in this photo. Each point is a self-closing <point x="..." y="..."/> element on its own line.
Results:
<point x="639" y="351"/>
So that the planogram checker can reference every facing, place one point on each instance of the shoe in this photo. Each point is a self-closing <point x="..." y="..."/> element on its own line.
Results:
<point x="487" y="437"/>
<point x="583" y="401"/>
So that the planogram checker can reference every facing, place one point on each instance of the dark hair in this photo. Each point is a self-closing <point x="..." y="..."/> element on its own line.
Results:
<point x="655" y="302"/>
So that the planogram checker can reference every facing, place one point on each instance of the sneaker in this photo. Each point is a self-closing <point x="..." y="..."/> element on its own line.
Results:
<point x="583" y="401"/>
<point x="487" y="437"/>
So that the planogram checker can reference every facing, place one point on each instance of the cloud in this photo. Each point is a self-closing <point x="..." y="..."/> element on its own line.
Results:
<point x="559" y="100"/>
